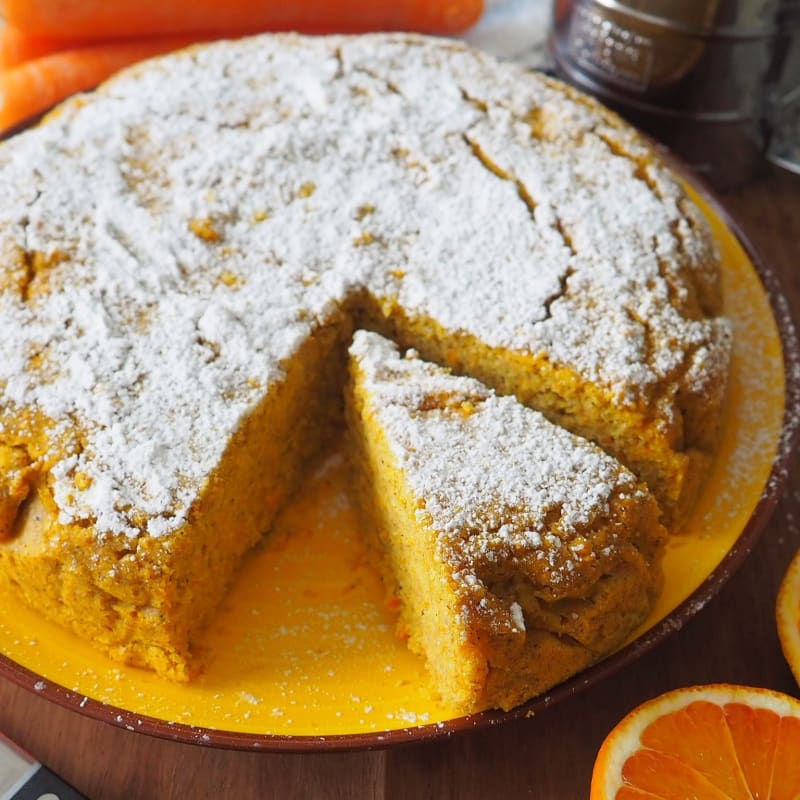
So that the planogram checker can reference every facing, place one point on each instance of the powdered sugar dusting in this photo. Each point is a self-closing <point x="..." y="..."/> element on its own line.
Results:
<point x="767" y="431"/>
<point x="171" y="242"/>
<point x="494" y="479"/>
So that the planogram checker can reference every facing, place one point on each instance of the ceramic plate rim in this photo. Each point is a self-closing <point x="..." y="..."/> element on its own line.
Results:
<point x="672" y="622"/>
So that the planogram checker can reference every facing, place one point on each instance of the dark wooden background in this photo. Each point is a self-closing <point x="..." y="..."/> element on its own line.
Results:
<point x="549" y="756"/>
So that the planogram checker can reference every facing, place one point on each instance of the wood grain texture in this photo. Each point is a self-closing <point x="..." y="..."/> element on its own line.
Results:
<point x="549" y="756"/>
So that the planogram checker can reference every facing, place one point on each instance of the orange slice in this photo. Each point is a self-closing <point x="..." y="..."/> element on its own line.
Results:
<point x="717" y="742"/>
<point x="787" y="614"/>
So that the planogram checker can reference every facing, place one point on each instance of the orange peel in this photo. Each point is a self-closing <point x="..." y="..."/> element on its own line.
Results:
<point x="787" y="615"/>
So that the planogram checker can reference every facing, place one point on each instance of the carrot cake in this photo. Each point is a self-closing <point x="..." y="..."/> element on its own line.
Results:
<point x="185" y="253"/>
<point x="520" y="552"/>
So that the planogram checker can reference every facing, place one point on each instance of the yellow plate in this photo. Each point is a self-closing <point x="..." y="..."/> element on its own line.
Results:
<point x="304" y="645"/>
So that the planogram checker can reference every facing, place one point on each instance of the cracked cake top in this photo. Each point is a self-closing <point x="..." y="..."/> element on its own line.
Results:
<point x="171" y="239"/>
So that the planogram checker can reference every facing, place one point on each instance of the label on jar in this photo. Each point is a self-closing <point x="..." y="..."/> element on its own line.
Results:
<point x="603" y="46"/>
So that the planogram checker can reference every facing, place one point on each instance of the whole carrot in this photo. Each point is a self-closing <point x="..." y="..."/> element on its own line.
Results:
<point x="28" y="89"/>
<point x="97" y="19"/>
<point x="17" y="47"/>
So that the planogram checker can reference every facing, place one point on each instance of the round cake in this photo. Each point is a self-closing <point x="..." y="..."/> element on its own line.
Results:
<point x="185" y="254"/>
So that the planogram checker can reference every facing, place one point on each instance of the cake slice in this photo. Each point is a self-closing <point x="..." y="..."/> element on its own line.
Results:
<point x="520" y="553"/>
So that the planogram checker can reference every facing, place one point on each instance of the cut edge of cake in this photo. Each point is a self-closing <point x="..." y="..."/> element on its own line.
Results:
<point x="145" y="599"/>
<point x="503" y="599"/>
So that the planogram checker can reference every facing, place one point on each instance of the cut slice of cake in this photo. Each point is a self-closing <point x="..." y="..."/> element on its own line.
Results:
<point x="520" y="553"/>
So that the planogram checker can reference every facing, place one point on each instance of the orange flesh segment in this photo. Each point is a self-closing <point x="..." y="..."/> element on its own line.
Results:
<point x="698" y="737"/>
<point x="630" y="793"/>
<point x="786" y="774"/>
<point x="668" y="778"/>
<point x="755" y="734"/>
<point x="710" y="752"/>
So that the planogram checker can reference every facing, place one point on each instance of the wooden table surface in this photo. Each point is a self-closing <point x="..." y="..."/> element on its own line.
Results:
<point x="549" y="756"/>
